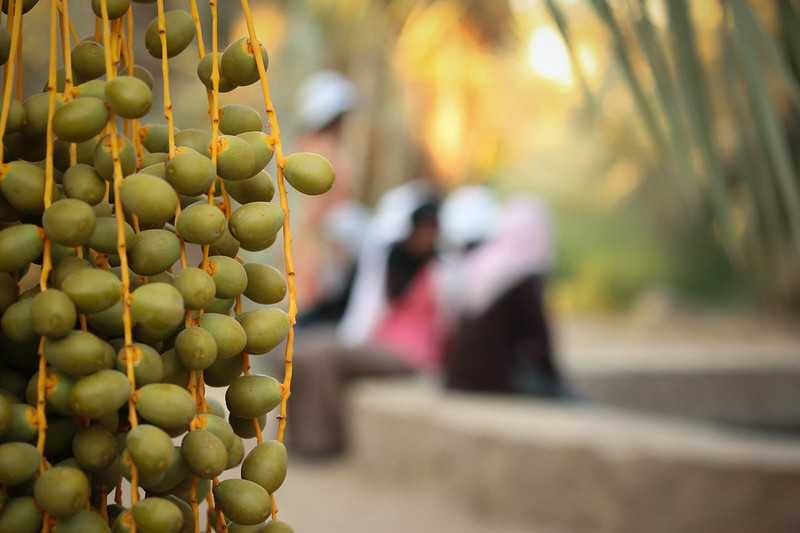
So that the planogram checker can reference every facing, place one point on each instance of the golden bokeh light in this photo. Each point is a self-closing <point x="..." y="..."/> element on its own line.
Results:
<point x="548" y="55"/>
<point x="269" y="23"/>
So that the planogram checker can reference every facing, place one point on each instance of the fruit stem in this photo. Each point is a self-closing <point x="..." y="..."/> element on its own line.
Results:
<point x="121" y="249"/>
<point x="193" y="495"/>
<point x="15" y="22"/>
<point x="162" y="34"/>
<point x="41" y="385"/>
<point x="287" y="236"/>
<point x="221" y="527"/>
<point x="63" y="21"/>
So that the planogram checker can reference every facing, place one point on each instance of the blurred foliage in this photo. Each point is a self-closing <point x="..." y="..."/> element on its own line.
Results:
<point x="719" y="101"/>
<point x="663" y="132"/>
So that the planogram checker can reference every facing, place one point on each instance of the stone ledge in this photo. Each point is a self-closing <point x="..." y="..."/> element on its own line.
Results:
<point x="758" y="397"/>
<point x="734" y="371"/>
<point x="575" y="467"/>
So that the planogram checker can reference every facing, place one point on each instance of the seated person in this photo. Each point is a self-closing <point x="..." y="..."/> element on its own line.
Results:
<point x="388" y="327"/>
<point x="501" y="338"/>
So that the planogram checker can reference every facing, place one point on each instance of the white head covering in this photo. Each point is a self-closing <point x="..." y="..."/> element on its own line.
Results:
<point x="391" y="223"/>
<point x="323" y="96"/>
<point x="519" y="245"/>
<point x="467" y="215"/>
<point x="345" y="224"/>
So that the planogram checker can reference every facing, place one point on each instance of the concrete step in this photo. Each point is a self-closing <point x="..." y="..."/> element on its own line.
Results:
<point x="571" y="466"/>
<point x="742" y="372"/>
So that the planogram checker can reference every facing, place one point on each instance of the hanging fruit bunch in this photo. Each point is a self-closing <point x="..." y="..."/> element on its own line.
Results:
<point x="104" y="363"/>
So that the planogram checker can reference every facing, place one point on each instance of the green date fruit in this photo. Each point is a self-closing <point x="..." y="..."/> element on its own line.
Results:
<point x="153" y="251"/>
<point x="265" y="328"/>
<point x="157" y="515"/>
<point x="20" y="515"/>
<point x="238" y="63"/>
<point x="94" y="448"/>
<point x="197" y="140"/>
<point x="100" y="394"/>
<point x="256" y="222"/>
<point x="277" y="526"/>
<point x="227" y="332"/>
<point x="36" y="111"/>
<point x="79" y="353"/>
<point x="179" y="27"/>
<point x="265" y="283"/>
<point x="92" y="290"/>
<point x="69" y="222"/>
<point x="128" y="96"/>
<point x="52" y="314"/>
<point x="148" y="197"/>
<point x="266" y="465"/>
<point x="19" y="461"/>
<point x="196" y="348"/>
<point x="116" y="8"/>
<point x="252" y="395"/>
<point x="150" y="448"/>
<point x="148" y="367"/>
<point x="244" y="502"/>
<point x="104" y="238"/>
<point x="309" y="173"/>
<point x="235" y="158"/>
<point x="166" y="405"/>
<point x="23" y="185"/>
<point x="204" y="71"/>
<point x="80" y="119"/>
<point x="238" y="118"/>
<point x="61" y="491"/>
<point x="157" y="306"/>
<point x="189" y="172"/>
<point x="258" y="188"/>
<point x="84" y="521"/>
<point x="196" y="286"/>
<point x="82" y="182"/>
<point x="201" y="223"/>
<point x="155" y="137"/>
<point x="88" y="60"/>
<point x="204" y="453"/>
<point x="222" y="372"/>
<point x="229" y="276"/>
<point x="19" y="245"/>
<point x="102" y="158"/>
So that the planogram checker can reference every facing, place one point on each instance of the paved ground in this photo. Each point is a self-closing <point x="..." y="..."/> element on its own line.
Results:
<point x="332" y="496"/>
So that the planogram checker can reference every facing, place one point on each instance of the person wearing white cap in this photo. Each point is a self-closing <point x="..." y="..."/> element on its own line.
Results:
<point x="323" y="101"/>
<point x="324" y="97"/>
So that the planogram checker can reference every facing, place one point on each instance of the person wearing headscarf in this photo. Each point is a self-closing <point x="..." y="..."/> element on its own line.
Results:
<point x="501" y="341"/>
<point x="389" y="327"/>
<point x="398" y="259"/>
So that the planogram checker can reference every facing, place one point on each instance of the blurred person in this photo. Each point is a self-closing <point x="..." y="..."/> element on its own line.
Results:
<point x="324" y="101"/>
<point x="467" y="215"/>
<point x="501" y="341"/>
<point x="343" y="230"/>
<point x="390" y="326"/>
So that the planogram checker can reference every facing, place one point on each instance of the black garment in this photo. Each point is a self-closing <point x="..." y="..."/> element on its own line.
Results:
<point x="401" y="269"/>
<point x="507" y="347"/>
<point x="331" y="309"/>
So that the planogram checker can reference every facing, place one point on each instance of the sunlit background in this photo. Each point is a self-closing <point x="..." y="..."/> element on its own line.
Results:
<point x="650" y="167"/>
<point x="664" y="134"/>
